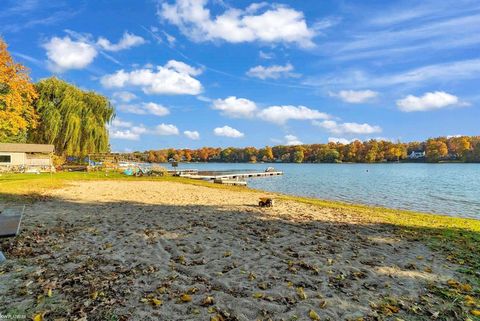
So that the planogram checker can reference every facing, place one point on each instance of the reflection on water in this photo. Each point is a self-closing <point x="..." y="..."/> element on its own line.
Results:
<point x="452" y="189"/>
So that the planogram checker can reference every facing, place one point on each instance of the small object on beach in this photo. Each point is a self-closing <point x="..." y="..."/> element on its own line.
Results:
<point x="265" y="202"/>
<point x="314" y="315"/>
<point x="208" y="301"/>
<point x="2" y="258"/>
<point x="301" y="293"/>
<point x="185" y="298"/>
<point x="38" y="317"/>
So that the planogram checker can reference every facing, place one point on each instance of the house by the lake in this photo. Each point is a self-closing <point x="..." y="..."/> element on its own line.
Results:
<point x="416" y="155"/>
<point x="25" y="157"/>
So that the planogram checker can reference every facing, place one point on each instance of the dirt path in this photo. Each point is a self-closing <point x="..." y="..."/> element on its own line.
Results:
<point x="169" y="251"/>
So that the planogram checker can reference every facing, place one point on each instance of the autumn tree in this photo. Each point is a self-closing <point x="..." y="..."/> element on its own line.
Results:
<point x="465" y="148"/>
<point x="160" y="156"/>
<point x="474" y="154"/>
<point x="203" y="154"/>
<point x="188" y="154"/>
<point x="436" y="150"/>
<point x="265" y="154"/>
<point x="459" y="146"/>
<point x="17" y="93"/>
<point x="151" y="157"/>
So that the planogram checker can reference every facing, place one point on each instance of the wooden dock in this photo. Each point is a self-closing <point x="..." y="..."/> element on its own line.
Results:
<point x="227" y="181"/>
<point x="232" y="176"/>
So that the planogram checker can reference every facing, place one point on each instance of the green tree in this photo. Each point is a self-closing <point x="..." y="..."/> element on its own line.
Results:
<point x="73" y="120"/>
<point x="329" y="155"/>
<point x="298" y="156"/>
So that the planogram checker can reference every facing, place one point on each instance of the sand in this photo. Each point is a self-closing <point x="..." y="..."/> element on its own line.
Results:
<point x="169" y="251"/>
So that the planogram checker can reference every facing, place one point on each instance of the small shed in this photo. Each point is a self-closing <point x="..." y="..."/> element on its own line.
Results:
<point x="22" y="157"/>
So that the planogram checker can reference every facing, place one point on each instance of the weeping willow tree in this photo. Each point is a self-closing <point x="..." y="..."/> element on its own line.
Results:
<point x="73" y="120"/>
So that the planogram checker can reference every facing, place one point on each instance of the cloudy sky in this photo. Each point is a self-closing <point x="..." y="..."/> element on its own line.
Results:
<point x="192" y="73"/>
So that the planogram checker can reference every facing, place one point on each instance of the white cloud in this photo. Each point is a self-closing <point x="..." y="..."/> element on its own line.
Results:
<point x="355" y="96"/>
<point x="124" y="96"/>
<point x="192" y="134"/>
<point x="65" y="53"/>
<point x="120" y="129"/>
<point x="144" y="109"/>
<point x="273" y="72"/>
<point x="171" y="39"/>
<point x="281" y="114"/>
<point x="204" y="98"/>
<point x="292" y="140"/>
<point x="228" y="131"/>
<point x="429" y="101"/>
<point x="235" y="107"/>
<point x="183" y="68"/>
<point x="166" y="130"/>
<point x="451" y="71"/>
<point x="117" y="122"/>
<point x="343" y="141"/>
<point x="347" y="128"/>
<point x="128" y="40"/>
<point x="264" y="23"/>
<point x="266" y="55"/>
<point x="401" y="32"/>
<point x="156" y="109"/>
<point x="175" y="78"/>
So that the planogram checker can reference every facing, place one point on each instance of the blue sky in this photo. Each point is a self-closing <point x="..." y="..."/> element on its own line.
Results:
<point x="193" y="73"/>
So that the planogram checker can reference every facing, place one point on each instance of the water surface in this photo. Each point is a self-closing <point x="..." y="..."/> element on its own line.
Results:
<point x="452" y="189"/>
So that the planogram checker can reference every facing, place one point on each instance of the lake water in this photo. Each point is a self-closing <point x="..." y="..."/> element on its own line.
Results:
<point x="452" y="189"/>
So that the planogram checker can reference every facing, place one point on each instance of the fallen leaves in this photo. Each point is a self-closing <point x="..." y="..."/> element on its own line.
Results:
<point x="464" y="287"/>
<point x="185" y="298"/>
<point x="38" y="317"/>
<point x="207" y="301"/>
<point x="301" y="293"/>
<point x="154" y="301"/>
<point x="475" y="313"/>
<point x="313" y="315"/>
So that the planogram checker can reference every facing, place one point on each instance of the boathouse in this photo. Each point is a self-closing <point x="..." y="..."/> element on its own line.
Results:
<point x="24" y="157"/>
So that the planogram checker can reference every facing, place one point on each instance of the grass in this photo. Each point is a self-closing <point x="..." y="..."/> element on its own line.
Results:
<point x="457" y="238"/>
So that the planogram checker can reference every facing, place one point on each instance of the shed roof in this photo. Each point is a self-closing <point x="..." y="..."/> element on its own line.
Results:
<point x="27" y="148"/>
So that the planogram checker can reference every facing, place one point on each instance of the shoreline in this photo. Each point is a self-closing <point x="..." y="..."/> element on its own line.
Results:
<point x="163" y="247"/>
<point x="59" y="180"/>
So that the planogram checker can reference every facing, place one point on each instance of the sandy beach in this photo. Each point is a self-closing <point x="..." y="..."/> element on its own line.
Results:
<point x="140" y="250"/>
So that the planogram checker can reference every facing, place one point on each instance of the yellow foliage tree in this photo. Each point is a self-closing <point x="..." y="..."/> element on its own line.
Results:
<point x="17" y="94"/>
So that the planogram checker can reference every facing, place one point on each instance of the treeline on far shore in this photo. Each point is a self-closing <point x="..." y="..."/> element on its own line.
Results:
<point x="460" y="149"/>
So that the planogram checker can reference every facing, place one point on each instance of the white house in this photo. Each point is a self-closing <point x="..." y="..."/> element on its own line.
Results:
<point x="25" y="156"/>
<point x="416" y="155"/>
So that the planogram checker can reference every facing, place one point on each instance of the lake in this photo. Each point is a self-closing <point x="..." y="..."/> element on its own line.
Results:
<point x="452" y="189"/>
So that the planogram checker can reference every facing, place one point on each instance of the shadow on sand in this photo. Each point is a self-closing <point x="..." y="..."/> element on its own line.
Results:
<point x="136" y="261"/>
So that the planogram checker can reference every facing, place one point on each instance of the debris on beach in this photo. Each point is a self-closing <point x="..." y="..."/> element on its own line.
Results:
<point x="127" y="256"/>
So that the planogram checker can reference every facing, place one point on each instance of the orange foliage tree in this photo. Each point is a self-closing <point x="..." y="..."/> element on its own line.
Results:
<point x="17" y="94"/>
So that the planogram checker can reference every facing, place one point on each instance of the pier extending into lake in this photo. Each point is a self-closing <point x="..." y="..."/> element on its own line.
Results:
<point x="231" y="175"/>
